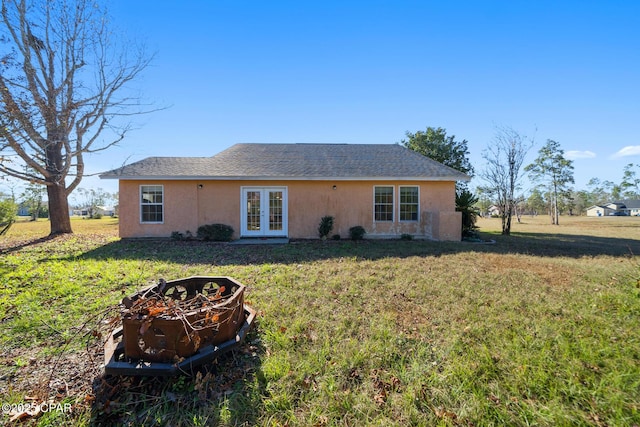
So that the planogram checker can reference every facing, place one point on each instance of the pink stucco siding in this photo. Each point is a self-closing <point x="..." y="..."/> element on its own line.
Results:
<point x="189" y="204"/>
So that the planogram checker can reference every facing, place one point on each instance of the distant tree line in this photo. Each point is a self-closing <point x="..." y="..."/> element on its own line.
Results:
<point x="504" y="170"/>
<point x="571" y="201"/>
<point x="32" y="201"/>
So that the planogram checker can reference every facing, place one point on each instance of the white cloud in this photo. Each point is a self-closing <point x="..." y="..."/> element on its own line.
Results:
<point x="574" y="154"/>
<point x="629" y="150"/>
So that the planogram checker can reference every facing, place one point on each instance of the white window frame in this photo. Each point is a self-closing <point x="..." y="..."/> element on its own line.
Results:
<point x="400" y="187"/>
<point x="151" y="204"/>
<point x="393" y="202"/>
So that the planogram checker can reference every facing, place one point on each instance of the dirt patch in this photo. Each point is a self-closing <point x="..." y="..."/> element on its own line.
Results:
<point x="30" y="378"/>
<point x="77" y="378"/>
<point x="549" y="272"/>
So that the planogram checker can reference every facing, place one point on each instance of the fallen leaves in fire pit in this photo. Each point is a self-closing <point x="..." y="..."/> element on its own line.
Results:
<point x="152" y="304"/>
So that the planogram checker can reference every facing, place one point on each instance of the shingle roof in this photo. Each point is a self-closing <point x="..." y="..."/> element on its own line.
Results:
<point x="629" y="203"/>
<point x="295" y="161"/>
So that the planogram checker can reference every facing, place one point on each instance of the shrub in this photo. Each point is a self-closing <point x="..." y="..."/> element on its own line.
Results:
<point x="357" y="232"/>
<point x="406" y="236"/>
<point x="335" y="237"/>
<point x="215" y="232"/>
<point x="8" y="212"/>
<point x="465" y="203"/>
<point x="325" y="227"/>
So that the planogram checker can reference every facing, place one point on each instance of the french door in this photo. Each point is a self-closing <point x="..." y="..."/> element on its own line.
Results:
<point x="264" y="211"/>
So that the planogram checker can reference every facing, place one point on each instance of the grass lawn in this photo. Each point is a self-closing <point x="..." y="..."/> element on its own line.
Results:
<point x="541" y="328"/>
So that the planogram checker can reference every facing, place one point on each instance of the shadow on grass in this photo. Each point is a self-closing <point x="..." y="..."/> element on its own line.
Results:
<point x="27" y="243"/>
<point x="197" y="252"/>
<point x="228" y="391"/>
<point x="566" y="245"/>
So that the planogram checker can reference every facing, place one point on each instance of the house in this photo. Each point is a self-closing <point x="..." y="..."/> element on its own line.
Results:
<point x="631" y="207"/>
<point x="79" y="212"/>
<point x="23" y="210"/>
<point x="619" y="208"/>
<point x="616" y="207"/>
<point x="493" y="211"/>
<point x="105" y="210"/>
<point x="95" y="210"/>
<point x="283" y="190"/>
<point x="597" y="210"/>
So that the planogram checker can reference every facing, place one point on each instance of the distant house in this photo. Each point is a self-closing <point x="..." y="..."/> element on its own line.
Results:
<point x="283" y="190"/>
<point x="622" y="208"/>
<point x="597" y="210"/>
<point x="23" y="210"/>
<point x="493" y="210"/>
<point x="88" y="211"/>
<point x="105" y="210"/>
<point x="616" y="206"/>
<point x="628" y="207"/>
<point x="80" y="212"/>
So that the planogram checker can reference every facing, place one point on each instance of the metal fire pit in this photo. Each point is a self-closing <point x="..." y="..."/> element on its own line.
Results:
<point x="175" y="326"/>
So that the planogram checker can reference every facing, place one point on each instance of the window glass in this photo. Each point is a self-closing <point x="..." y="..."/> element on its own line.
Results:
<point x="151" y="203"/>
<point x="409" y="202"/>
<point x="383" y="204"/>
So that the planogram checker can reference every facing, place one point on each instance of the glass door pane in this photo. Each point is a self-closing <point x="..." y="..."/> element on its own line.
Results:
<point x="253" y="210"/>
<point x="275" y="210"/>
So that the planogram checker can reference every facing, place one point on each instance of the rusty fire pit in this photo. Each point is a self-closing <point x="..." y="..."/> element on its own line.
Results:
<point x="176" y="325"/>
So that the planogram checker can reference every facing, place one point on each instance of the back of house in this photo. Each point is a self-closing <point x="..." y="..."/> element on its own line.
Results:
<point x="283" y="190"/>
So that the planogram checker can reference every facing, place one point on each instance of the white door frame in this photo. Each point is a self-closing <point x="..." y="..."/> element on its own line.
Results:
<point x="264" y="218"/>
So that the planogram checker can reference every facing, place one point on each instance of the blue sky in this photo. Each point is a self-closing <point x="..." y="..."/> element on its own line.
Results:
<point x="367" y="72"/>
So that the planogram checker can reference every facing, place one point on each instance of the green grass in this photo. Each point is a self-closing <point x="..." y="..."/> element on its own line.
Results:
<point x="539" y="329"/>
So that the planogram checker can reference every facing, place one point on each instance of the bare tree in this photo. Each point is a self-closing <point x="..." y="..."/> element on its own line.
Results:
<point x="63" y="85"/>
<point x="504" y="158"/>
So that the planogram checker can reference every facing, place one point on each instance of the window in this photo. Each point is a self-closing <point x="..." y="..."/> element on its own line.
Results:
<point x="151" y="203"/>
<point x="383" y="204"/>
<point x="409" y="203"/>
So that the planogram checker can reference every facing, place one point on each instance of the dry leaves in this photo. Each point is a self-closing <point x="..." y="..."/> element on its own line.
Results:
<point x="383" y="384"/>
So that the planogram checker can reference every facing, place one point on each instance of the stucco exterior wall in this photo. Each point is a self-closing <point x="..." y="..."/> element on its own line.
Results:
<point x="189" y="204"/>
<point x="179" y="213"/>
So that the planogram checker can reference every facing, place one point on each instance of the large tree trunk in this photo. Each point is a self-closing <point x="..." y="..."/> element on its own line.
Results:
<point x="58" y="210"/>
<point x="59" y="219"/>
<point x="506" y="226"/>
